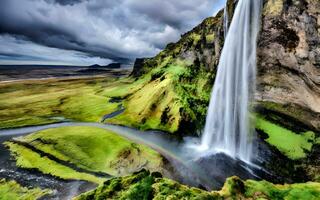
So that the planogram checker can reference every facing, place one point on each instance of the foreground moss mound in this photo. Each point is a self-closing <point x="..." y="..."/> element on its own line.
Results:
<point x="144" y="185"/>
<point x="80" y="152"/>
<point x="10" y="190"/>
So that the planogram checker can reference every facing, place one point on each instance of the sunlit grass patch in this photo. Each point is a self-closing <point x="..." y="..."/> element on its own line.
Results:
<point x="10" y="190"/>
<point x="40" y="102"/>
<point x="291" y="144"/>
<point x="28" y="159"/>
<point x="90" y="148"/>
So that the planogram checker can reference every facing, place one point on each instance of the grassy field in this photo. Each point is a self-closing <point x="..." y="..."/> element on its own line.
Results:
<point x="10" y="190"/>
<point x="161" y="99"/>
<point x="89" y="148"/>
<point x="46" y="101"/>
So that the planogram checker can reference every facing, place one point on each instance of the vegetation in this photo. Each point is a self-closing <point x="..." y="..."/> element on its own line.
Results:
<point x="165" y="99"/>
<point x="46" y="101"/>
<point x="10" y="190"/>
<point x="88" y="148"/>
<point x="144" y="185"/>
<point x="28" y="159"/>
<point x="293" y="145"/>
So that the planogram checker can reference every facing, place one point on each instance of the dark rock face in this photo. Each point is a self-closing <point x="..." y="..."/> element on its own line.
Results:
<point x="137" y="67"/>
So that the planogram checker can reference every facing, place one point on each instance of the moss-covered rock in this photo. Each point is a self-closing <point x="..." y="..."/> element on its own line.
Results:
<point x="144" y="185"/>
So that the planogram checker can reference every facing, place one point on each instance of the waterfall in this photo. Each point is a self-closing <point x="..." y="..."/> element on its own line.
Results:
<point x="225" y="21"/>
<point x="227" y="126"/>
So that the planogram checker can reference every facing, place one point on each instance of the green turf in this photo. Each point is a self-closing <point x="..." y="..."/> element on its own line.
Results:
<point x="25" y="158"/>
<point x="94" y="149"/>
<point x="291" y="144"/>
<point x="10" y="190"/>
<point x="267" y="190"/>
<point x="41" y="102"/>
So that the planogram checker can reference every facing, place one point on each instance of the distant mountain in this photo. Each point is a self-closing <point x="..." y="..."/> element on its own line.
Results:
<point x="110" y="66"/>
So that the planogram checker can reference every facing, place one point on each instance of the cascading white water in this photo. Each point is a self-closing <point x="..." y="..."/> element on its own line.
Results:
<point x="228" y="125"/>
<point x="225" y="21"/>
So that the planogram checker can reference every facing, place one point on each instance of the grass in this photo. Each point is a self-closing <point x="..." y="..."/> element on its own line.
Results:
<point x="165" y="99"/>
<point x="267" y="190"/>
<point x="144" y="185"/>
<point x="26" y="158"/>
<point x="145" y="107"/>
<point x="40" y="102"/>
<point x="89" y="148"/>
<point x="291" y="144"/>
<point x="10" y="190"/>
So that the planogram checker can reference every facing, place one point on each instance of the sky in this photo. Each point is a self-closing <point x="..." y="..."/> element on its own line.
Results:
<point x="86" y="32"/>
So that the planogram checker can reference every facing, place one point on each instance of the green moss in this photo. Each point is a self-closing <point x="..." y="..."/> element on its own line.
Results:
<point x="264" y="189"/>
<point x="146" y="107"/>
<point x="10" y="190"/>
<point x="210" y="38"/>
<point x="26" y="158"/>
<point x="196" y="39"/>
<point x="291" y="144"/>
<point x="94" y="149"/>
<point x="273" y="7"/>
<point x="168" y="189"/>
<point x="144" y="185"/>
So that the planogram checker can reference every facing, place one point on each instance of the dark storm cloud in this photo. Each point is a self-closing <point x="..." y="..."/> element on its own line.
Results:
<point x="67" y="2"/>
<point x="119" y="30"/>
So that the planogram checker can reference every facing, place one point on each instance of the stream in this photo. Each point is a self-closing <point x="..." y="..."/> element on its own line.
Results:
<point x="208" y="172"/>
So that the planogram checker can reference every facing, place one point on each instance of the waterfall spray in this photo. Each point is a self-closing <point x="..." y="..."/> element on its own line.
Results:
<point x="228" y="125"/>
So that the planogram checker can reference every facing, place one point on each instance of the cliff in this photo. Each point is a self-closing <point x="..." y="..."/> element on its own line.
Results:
<point x="171" y="91"/>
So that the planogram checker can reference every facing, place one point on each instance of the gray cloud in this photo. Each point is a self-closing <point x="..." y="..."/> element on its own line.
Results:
<point x="118" y="30"/>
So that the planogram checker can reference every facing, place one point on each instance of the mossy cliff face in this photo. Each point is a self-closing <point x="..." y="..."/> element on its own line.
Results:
<point x="176" y="84"/>
<point x="143" y="185"/>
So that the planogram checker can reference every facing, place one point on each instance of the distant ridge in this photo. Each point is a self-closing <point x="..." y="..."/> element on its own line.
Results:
<point x="110" y="66"/>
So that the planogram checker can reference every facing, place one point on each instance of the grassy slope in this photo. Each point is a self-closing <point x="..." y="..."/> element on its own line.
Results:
<point x="291" y="144"/>
<point x="28" y="159"/>
<point x="10" y="190"/>
<point x="39" y="102"/>
<point x="89" y="148"/>
<point x="144" y="185"/>
<point x="161" y="98"/>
